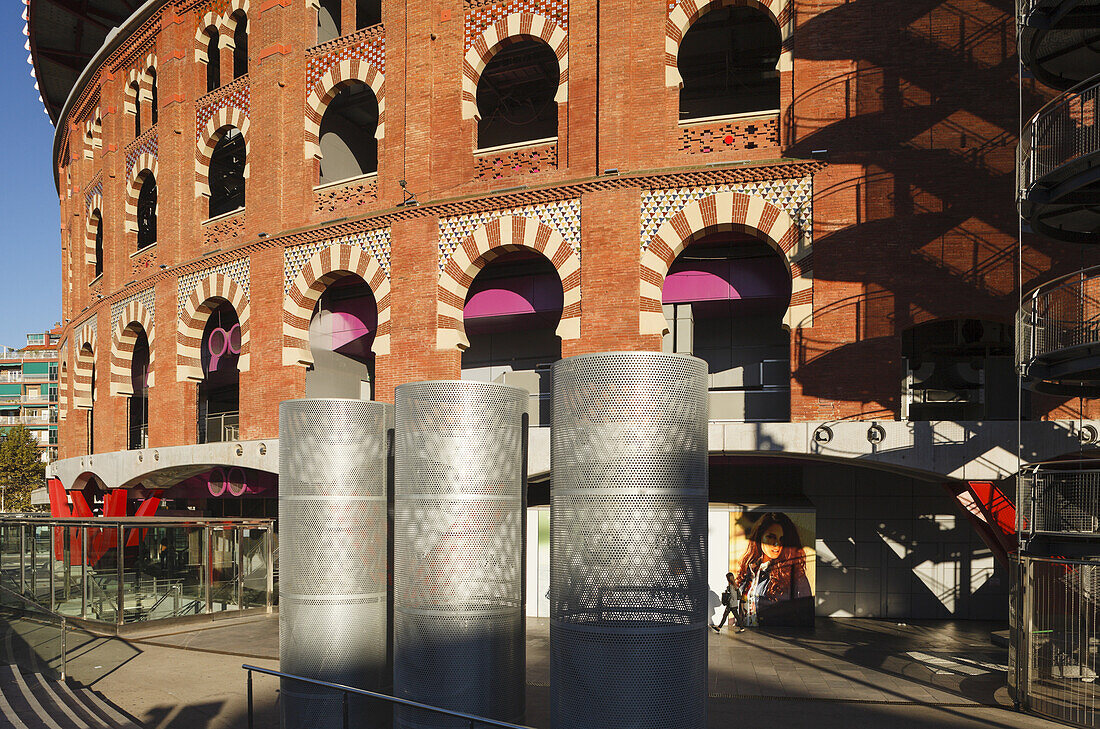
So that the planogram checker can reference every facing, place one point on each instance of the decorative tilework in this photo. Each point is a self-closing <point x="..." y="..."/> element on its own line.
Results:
<point x="223" y="231"/>
<point x="736" y="134"/>
<point x="146" y="261"/>
<point x="90" y="194"/>
<point x="145" y="144"/>
<point x="235" y="94"/>
<point x="368" y="44"/>
<point x="376" y="242"/>
<point x="564" y="216"/>
<point x="351" y="195"/>
<point x="795" y="197"/>
<point x="237" y="269"/>
<point x="517" y="162"/>
<point x="480" y="18"/>
<point x="147" y="298"/>
<point x="89" y="323"/>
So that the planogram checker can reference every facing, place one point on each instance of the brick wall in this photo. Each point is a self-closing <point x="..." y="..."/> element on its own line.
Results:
<point x="913" y="215"/>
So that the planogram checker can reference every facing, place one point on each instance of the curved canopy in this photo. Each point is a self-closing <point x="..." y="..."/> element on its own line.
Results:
<point x="63" y="36"/>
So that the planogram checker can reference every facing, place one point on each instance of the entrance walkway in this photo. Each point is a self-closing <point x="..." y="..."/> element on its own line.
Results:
<point x="846" y="673"/>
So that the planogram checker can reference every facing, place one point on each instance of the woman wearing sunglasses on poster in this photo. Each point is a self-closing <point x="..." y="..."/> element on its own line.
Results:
<point x="772" y="574"/>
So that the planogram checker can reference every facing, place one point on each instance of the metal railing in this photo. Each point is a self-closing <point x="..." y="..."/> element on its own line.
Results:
<point x="1060" y="315"/>
<point x="1060" y="499"/>
<point x="471" y="720"/>
<point x="222" y="427"/>
<point x="139" y="437"/>
<point x="110" y="570"/>
<point x="1055" y="634"/>
<point x="1066" y="129"/>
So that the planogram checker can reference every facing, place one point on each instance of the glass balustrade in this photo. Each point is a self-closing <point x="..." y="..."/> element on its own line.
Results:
<point x="132" y="570"/>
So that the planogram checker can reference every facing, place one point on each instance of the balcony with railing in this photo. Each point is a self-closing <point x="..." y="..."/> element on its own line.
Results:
<point x="1058" y="39"/>
<point x="1058" y="166"/>
<point x="1058" y="335"/>
<point x="1059" y="499"/>
<point x="220" y="427"/>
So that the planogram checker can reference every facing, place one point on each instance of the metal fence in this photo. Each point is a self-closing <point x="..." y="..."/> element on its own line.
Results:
<point x="1055" y="637"/>
<point x="1065" y="130"/>
<point x="1061" y="315"/>
<point x="130" y="570"/>
<point x="1065" y="501"/>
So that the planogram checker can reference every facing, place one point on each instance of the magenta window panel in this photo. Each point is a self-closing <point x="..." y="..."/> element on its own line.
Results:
<point x="723" y="280"/>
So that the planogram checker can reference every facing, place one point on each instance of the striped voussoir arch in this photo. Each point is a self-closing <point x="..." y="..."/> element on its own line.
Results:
<point x="514" y="26"/>
<point x="123" y="343"/>
<point x="144" y="166"/>
<point x="82" y="371"/>
<point x="687" y="12"/>
<point x="140" y="79"/>
<point x="202" y="301"/>
<point x="325" y="90"/>
<point x="324" y="267"/>
<point x="490" y="241"/>
<point x="95" y="202"/>
<point x="224" y="24"/>
<point x="718" y="212"/>
<point x="227" y="116"/>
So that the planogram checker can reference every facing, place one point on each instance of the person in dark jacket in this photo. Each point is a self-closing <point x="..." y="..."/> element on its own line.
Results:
<point x="731" y="598"/>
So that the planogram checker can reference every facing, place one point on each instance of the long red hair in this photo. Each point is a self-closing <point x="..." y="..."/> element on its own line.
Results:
<point x="789" y="566"/>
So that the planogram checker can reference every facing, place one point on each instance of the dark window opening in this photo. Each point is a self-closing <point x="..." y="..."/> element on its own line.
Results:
<point x="153" y="96"/>
<point x="341" y="334"/>
<point x="136" y="91"/>
<point x="138" y="406"/>
<point x="959" y="370"/>
<point x="240" y="46"/>
<point x="727" y="61"/>
<point x="213" y="61"/>
<point x="348" y="146"/>
<point x="515" y="96"/>
<point x="87" y="352"/>
<point x="147" y="212"/>
<point x="367" y="13"/>
<point x="98" y="243"/>
<point x="219" y="391"/>
<point x="328" y="20"/>
<point x="227" y="173"/>
<point x="511" y="316"/>
<point x="725" y="297"/>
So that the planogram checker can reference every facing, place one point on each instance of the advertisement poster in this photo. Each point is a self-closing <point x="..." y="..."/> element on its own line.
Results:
<point x="774" y="563"/>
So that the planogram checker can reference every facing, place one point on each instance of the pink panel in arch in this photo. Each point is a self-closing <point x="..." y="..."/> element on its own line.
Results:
<point x="724" y="280"/>
<point x="511" y="296"/>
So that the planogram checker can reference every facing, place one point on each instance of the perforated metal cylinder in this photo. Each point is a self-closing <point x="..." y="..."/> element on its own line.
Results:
<point x="333" y="540"/>
<point x="628" y="528"/>
<point x="459" y="478"/>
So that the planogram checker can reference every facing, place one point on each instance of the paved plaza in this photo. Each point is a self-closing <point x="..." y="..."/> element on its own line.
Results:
<point x="845" y="673"/>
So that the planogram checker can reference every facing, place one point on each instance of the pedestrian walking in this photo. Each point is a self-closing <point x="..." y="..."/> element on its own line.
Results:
<point x="731" y="598"/>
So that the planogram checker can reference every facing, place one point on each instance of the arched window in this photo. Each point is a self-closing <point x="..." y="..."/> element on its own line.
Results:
<point x="219" y="391"/>
<point x="138" y="410"/>
<point x="724" y="298"/>
<point x="98" y="218"/>
<point x="147" y="211"/>
<point x="367" y="13"/>
<point x="213" y="60"/>
<point x="341" y="333"/>
<point x="153" y="95"/>
<point x="240" y="45"/>
<point x="135" y="91"/>
<point x="511" y="315"/>
<point x="227" y="173"/>
<point x="727" y="61"/>
<point x="328" y="21"/>
<point x="348" y="146"/>
<point x="515" y="96"/>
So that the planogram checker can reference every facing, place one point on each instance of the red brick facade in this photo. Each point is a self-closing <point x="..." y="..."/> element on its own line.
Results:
<point x="910" y="107"/>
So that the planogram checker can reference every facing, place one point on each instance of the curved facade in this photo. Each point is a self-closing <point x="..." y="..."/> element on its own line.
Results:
<point x="293" y="199"/>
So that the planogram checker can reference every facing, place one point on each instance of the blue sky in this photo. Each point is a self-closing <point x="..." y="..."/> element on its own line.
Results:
<point x="30" y="242"/>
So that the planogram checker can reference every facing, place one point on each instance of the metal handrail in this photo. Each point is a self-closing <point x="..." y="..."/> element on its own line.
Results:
<point x="345" y="690"/>
<point x="1060" y="314"/>
<point x="1065" y="148"/>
